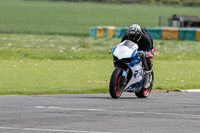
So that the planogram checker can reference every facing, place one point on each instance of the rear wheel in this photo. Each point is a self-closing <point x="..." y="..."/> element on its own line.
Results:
<point x="116" y="86"/>
<point x="144" y="93"/>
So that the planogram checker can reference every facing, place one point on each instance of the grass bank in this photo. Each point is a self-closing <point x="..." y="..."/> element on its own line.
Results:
<point x="85" y="76"/>
<point x="45" y="64"/>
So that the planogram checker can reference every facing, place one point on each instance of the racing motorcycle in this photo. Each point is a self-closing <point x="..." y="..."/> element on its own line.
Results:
<point x="129" y="74"/>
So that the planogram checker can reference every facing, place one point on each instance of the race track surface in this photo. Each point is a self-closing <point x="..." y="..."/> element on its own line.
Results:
<point x="99" y="113"/>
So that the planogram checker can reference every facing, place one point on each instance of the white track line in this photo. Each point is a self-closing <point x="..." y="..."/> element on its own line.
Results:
<point x="62" y="108"/>
<point x="191" y="90"/>
<point x="49" y="130"/>
<point x="127" y="112"/>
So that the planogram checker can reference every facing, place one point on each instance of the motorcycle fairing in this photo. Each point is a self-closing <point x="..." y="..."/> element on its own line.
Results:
<point x="136" y="80"/>
<point x="135" y="61"/>
<point x="135" y="86"/>
<point x="125" y="49"/>
<point x="128" y="49"/>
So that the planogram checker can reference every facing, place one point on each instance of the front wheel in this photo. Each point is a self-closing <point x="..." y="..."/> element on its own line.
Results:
<point x="116" y="86"/>
<point x="144" y="93"/>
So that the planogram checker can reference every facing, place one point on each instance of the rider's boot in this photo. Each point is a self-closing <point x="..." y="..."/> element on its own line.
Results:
<point x="147" y="79"/>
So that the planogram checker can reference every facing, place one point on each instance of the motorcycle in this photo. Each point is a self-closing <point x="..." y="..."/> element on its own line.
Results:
<point x="129" y="74"/>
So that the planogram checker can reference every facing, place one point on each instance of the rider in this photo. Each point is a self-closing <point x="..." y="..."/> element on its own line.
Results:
<point x="145" y="42"/>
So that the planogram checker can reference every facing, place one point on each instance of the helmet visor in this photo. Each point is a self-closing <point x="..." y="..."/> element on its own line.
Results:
<point x="134" y="35"/>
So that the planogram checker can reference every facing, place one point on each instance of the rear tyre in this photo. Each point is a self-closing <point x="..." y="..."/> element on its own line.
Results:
<point x="116" y="87"/>
<point x="144" y="93"/>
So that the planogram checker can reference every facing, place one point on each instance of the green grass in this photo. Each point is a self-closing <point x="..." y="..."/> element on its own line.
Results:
<point x="75" y="18"/>
<point x="54" y="77"/>
<point x="86" y="76"/>
<point x="46" y="64"/>
<point x="42" y="61"/>
<point x="176" y="75"/>
<point x="17" y="46"/>
<point x="57" y="47"/>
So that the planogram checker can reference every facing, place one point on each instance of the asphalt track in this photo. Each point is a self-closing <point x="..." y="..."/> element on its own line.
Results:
<point x="98" y="113"/>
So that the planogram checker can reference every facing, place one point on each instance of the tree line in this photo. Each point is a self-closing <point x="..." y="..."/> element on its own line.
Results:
<point x="168" y="2"/>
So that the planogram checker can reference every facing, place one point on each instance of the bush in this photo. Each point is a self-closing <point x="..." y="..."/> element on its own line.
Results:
<point x="190" y="2"/>
<point x="171" y="1"/>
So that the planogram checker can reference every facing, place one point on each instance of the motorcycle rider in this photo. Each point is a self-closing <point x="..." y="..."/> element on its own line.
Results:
<point x="145" y="42"/>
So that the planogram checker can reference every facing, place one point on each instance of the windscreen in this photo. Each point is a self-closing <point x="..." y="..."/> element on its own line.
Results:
<point x="128" y="43"/>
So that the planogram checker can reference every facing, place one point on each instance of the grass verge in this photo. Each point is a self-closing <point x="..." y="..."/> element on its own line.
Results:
<point x="42" y="64"/>
<point x="32" y="76"/>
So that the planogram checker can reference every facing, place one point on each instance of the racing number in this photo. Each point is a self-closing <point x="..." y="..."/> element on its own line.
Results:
<point x="138" y="73"/>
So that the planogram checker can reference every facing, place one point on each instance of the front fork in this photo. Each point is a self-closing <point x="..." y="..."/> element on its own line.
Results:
<point x="144" y="60"/>
<point x="147" y="78"/>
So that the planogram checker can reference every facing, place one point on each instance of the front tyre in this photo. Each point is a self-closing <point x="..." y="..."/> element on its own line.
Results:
<point x="116" y="86"/>
<point x="144" y="93"/>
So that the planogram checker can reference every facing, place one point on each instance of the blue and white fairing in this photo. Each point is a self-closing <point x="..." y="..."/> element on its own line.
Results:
<point x="125" y="49"/>
<point x="128" y="49"/>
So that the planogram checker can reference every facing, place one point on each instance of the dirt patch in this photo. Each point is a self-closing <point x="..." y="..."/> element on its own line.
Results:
<point x="153" y="91"/>
<point x="164" y="91"/>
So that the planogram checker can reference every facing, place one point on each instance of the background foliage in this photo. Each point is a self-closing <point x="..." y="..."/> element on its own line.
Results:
<point x="171" y="2"/>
